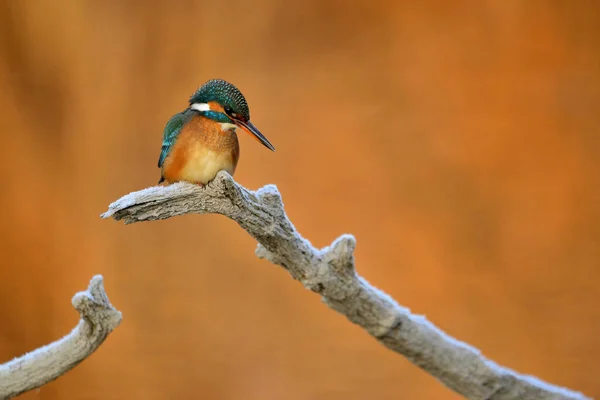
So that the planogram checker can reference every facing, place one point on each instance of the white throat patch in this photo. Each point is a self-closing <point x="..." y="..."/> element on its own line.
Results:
<point x="226" y="126"/>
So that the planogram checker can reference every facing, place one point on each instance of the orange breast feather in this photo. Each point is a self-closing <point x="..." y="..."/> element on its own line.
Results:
<point x="201" y="150"/>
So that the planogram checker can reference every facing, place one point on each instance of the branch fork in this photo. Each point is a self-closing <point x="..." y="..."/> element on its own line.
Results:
<point x="330" y="272"/>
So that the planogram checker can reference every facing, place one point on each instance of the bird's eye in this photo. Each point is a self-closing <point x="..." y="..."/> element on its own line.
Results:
<point x="228" y="110"/>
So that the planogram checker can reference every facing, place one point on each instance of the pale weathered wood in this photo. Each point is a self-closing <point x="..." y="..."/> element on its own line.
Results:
<point x="32" y="370"/>
<point x="330" y="272"/>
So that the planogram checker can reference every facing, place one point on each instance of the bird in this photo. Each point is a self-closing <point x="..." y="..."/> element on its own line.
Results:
<point x="201" y="140"/>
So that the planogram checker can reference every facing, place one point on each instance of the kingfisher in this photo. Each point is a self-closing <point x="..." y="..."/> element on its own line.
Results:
<point x="201" y="140"/>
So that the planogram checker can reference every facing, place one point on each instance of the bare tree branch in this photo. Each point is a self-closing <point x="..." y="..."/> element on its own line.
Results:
<point x="330" y="272"/>
<point x="32" y="370"/>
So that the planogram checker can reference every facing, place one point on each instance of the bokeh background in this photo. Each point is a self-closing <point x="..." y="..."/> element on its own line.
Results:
<point x="458" y="141"/>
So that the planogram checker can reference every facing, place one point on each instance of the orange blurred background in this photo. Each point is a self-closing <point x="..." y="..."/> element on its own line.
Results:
<point x="458" y="141"/>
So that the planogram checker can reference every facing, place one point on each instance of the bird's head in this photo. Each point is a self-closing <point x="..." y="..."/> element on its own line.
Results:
<point x="221" y="101"/>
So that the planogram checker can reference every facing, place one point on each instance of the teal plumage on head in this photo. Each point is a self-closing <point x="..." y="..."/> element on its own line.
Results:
<point x="224" y="93"/>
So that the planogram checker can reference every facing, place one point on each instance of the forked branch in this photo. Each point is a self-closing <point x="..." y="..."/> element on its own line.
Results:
<point x="32" y="370"/>
<point x="330" y="272"/>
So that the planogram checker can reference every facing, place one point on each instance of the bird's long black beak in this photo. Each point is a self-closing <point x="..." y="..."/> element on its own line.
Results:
<point x="248" y="127"/>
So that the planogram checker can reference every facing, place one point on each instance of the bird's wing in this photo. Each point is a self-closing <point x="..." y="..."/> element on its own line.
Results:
<point x="170" y="133"/>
